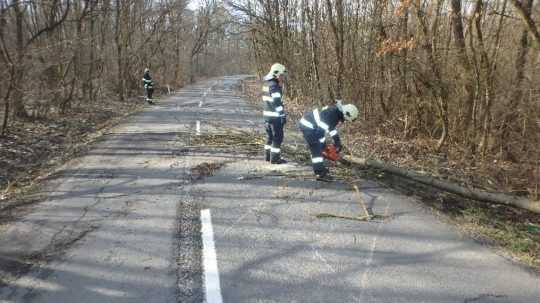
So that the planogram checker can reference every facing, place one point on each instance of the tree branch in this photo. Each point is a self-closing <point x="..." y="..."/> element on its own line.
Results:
<point x="50" y="27"/>
<point x="528" y="20"/>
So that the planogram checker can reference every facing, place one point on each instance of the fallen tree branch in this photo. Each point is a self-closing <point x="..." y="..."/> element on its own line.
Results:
<point x="471" y="193"/>
<point x="327" y="215"/>
<point x="361" y="201"/>
<point x="220" y="145"/>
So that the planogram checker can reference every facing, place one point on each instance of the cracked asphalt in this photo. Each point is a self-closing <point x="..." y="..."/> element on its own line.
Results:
<point x="121" y="224"/>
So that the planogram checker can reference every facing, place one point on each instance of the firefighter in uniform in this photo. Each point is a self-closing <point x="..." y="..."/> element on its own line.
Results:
<point x="148" y="85"/>
<point x="315" y="125"/>
<point x="274" y="113"/>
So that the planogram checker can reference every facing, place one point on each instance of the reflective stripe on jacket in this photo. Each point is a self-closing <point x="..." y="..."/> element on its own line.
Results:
<point x="272" y="97"/>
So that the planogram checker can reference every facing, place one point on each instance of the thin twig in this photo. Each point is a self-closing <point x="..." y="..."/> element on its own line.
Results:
<point x="222" y="145"/>
<point x="327" y="215"/>
<point x="361" y="201"/>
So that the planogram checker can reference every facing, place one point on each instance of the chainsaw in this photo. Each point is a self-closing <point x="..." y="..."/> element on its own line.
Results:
<point x="330" y="152"/>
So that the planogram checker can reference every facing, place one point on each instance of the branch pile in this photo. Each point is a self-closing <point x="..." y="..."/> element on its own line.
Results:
<point x="229" y="139"/>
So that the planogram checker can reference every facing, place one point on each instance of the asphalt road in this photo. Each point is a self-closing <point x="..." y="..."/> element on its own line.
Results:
<point x="123" y="224"/>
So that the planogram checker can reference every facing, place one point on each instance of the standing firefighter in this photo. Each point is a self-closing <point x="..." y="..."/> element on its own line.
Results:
<point x="148" y="85"/>
<point x="316" y="124"/>
<point x="274" y="113"/>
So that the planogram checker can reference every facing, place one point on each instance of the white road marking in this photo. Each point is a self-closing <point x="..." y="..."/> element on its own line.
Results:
<point x="211" y="273"/>
<point x="317" y="255"/>
<point x="198" y="128"/>
<point x="364" y="280"/>
<point x="206" y="92"/>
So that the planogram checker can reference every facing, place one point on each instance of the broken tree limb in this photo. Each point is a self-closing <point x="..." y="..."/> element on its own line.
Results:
<point x="327" y="215"/>
<point x="361" y="201"/>
<point x="220" y="145"/>
<point x="368" y="216"/>
<point x="471" y="193"/>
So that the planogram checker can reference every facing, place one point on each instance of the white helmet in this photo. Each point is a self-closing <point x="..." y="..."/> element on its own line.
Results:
<point x="146" y="70"/>
<point x="276" y="70"/>
<point x="350" y="112"/>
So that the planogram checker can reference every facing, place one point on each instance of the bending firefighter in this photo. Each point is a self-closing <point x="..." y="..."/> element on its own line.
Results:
<point x="316" y="124"/>
<point x="148" y="85"/>
<point x="274" y="113"/>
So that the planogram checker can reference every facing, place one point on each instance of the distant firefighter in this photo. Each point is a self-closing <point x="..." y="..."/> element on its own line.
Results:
<point x="148" y="86"/>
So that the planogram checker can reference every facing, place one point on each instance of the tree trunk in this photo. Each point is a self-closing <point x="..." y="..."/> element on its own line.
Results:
<point x="77" y="57"/>
<point x="337" y="24"/>
<point x="459" y="42"/>
<point x="316" y="79"/>
<point x="17" y="80"/>
<point x="510" y="117"/>
<point x="178" y="50"/>
<point x="403" y="71"/>
<point x="382" y="66"/>
<point x="92" y="54"/>
<point x="6" y="60"/>
<point x="488" y="67"/>
<point x="192" y="70"/>
<point x="467" y="192"/>
<point x="6" y="101"/>
<point x="527" y="18"/>
<point x="437" y="86"/>
<point x="119" y="49"/>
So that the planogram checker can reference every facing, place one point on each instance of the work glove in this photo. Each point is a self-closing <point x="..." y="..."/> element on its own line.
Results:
<point x="339" y="104"/>
<point x="267" y="125"/>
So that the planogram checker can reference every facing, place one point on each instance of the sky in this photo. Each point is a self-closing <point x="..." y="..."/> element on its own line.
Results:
<point x="193" y="4"/>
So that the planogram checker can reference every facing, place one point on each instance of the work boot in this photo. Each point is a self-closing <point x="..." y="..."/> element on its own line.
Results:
<point x="279" y="161"/>
<point x="267" y="157"/>
<point x="323" y="175"/>
<point x="276" y="159"/>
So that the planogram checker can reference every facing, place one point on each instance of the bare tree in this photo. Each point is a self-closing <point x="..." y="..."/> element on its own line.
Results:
<point x="439" y="71"/>
<point x="201" y="28"/>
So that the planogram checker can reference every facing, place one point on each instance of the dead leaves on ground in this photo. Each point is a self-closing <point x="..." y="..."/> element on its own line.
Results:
<point x="204" y="170"/>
